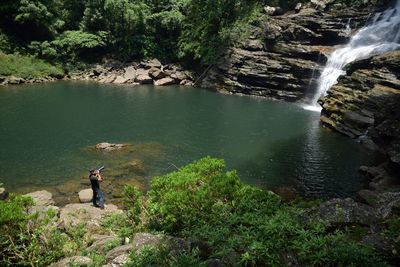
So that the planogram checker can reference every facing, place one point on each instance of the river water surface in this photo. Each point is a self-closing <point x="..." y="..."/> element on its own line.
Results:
<point x="46" y="129"/>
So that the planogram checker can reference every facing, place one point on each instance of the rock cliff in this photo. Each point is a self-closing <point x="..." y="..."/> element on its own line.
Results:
<point x="365" y="104"/>
<point x="284" y="56"/>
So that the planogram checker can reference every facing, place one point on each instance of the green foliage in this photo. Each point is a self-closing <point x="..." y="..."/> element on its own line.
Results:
<point x="162" y="256"/>
<point x="179" y="199"/>
<point x="133" y="204"/>
<point x="167" y="29"/>
<point x="76" y="43"/>
<point x="208" y="24"/>
<point x="27" y="66"/>
<point x="28" y="239"/>
<point x="244" y="225"/>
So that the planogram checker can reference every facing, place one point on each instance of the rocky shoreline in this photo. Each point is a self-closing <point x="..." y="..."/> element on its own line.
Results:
<point x="369" y="213"/>
<point x="115" y="72"/>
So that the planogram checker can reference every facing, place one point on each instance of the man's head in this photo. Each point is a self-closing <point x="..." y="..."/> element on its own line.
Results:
<point x="94" y="171"/>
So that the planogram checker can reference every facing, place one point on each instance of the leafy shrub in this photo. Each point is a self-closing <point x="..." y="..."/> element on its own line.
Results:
<point x="179" y="199"/>
<point x="28" y="239"/>
<point x="27" y="66"/>
<point x="162" y="256"/>
<point x="243" y="224"/>
<point x="74" y="44"/>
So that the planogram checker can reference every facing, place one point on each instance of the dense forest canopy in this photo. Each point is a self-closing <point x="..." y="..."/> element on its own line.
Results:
<point x="76" y="30"/>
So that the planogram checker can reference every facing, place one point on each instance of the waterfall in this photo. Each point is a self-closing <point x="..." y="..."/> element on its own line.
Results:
<point x="381" y="35"/>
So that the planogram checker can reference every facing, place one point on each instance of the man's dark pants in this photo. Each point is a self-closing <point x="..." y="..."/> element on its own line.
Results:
<point x="97" y="194"/>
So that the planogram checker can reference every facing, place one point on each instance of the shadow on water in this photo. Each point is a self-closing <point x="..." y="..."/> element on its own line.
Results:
<point x="315" y="168"/>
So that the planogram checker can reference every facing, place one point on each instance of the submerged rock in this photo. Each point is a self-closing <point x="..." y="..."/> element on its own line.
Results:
<point x="109" y="147"/>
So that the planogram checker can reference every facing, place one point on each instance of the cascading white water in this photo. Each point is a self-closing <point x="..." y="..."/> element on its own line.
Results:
<point x="380" y="36"/>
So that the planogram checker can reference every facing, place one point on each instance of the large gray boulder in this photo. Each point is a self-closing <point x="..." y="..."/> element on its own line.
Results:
<point x="130" y="73"/>
<point x="42" y="198"/>
<point x="100" y="242"/>
<point x="157" y="73"/>
<point x="115" y="252"/>
<point x="73" y="261"/>
<point x="343" y="211"/>
<point x="85" y="214"/>
<point x="85" y="195"/>
<point x="120" y="80"/>
<point x="144" y="79"/>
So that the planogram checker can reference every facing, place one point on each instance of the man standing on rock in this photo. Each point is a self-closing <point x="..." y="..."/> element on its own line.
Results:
<point x="95" y="179"/>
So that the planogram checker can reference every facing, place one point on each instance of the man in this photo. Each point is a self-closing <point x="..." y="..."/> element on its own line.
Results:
<point x="95" y="179"/>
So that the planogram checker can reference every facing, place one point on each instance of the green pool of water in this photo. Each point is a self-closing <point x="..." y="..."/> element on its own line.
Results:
<point x="46" y="129"/>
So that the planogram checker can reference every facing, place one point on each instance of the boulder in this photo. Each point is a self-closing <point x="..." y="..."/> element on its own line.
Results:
<point x="118" y="251"/>
<point x="85" y="195"/>
<point x="120" y="80"/>
<point x="143" y="79"/>
<point x="344" y="212"/>
<point x="388" y="204"/>
<point x="100" y="242"/>
<point x="151" y="63"/>
<point x="3" y="193"/>
<point x="73" y="261"/>
<point x="42" y="198"/>
<point x="165" y="81"/>
<point x="120" y="260"/>
<point x="157" y="73"/>
<point x="176" y="245"/>
<point x="85" y="214"/>
<point x="108" y="79"/>
<point x="269" y="10"/>
<point x="130" y="73"/>
<point x="15" y="80"/>
<point x="187" y="83"/>
<point x="298" y="7"/>
<point x="98" y="70"/>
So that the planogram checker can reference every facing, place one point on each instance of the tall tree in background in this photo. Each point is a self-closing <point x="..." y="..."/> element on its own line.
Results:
<point x="208" y="25"/>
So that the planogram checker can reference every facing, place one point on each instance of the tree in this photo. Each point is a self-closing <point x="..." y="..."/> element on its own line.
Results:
<point x="207" y="26"/>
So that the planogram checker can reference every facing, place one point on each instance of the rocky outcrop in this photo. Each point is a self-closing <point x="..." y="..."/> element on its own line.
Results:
<point x="73" y="261"/>
<point x="135" y="73"/>
<point x="365" y="105"/>
<point x="109" y="147"/>
<point x="283" y="58"/>
<point x="376" y="207"/>
<point x="85" y="214"/>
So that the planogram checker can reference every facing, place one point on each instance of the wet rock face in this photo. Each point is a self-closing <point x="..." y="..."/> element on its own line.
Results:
<point x="284" y="58"/>
<point x="366" y="103"/>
